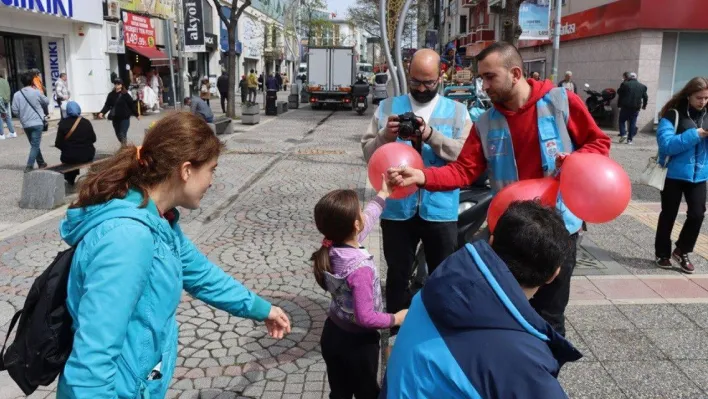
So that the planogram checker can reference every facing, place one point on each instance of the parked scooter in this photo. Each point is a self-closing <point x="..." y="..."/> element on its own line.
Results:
<point x="472" y="213"/>
<point x="598" y="103"/>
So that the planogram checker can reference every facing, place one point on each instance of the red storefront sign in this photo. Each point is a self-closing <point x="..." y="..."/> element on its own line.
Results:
<point x="139" y="31"/>
<point x="625" y="15"/>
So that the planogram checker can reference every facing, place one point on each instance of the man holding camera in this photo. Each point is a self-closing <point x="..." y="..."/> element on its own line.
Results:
<point x="437" y="127"/>
<point x="524" y="136"/>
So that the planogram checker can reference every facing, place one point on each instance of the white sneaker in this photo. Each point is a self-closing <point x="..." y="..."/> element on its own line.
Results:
<point x="12" y="135"/>
<point x="2" y="137"/>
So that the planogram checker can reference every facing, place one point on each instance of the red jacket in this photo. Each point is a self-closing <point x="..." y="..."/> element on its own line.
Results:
<point x="523" y="125"/>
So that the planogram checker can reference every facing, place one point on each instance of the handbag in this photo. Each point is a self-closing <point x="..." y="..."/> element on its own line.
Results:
<point x="654" y="174"/>
<point x="45" y="124"/>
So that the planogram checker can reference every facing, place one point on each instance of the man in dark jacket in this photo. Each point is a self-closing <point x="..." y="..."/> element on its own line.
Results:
<point x="243" y="86"/>
<point x="632" y="95"/>
<point x="222" y="84"/>
<point x="279" y="79"/>
<point x="471" y="332"/>
<point x="272" y="83"/>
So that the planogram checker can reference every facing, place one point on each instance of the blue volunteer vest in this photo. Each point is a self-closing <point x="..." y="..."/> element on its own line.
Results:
<point x="448" y="118"/>
<point x="553" y="136"/>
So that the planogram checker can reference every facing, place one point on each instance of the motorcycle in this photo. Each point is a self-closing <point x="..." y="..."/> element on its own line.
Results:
<point x="598" y="103"/>
<point x="360" y="104"/>
<point x="360" y="94"/>
<point x="472" y="213"/>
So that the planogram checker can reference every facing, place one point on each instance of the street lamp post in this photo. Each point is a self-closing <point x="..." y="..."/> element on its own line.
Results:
<point x="556" y="40"/>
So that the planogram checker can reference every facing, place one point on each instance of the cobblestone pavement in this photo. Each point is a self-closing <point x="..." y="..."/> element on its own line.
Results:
<point x="643" y="331"/>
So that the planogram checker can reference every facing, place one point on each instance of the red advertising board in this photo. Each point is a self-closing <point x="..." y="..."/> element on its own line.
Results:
<point x="625" y="15"/>
<point x="139" y="31"/>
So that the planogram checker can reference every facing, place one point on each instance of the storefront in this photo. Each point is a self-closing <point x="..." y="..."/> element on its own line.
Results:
<point x="665" y="46"/>
<point x="55" y="38"/>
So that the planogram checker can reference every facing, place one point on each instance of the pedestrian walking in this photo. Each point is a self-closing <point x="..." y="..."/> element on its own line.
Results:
<point x="430" y="218"/>
<point x="204" y="92"/>
<point x="632" y="96"/>
<point x="27" y="103"/>
<point x="75" y="139"/>
<point x="253" y="85"/>
<point x="243" y="87"/>
<point x="279" y="80"/>
<point x="119" y="107"/>
<point x="520" y="138"/>
<point x="350" y="341"/>
<point x="568" y="83"/>
<point x="132" y="262"/>
<point x="6" y="109"/>
<point x="61" y="90"/>
<point x="286" y="81"/>
<point x="681" y="136"/>
<point x="261" y="81"/>
<point x="222" y="84"/>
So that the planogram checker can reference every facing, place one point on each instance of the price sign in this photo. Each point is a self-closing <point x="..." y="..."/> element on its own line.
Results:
<point x="139" y="31"/>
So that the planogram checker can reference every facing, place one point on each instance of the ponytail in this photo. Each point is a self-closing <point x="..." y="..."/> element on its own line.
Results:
<point x="110" y="179"/>
<point x="320" y="259"/>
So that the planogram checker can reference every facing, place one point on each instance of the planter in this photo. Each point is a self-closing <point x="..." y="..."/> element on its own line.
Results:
<point x="250" y="109"/>
<point x="251" y="119"/>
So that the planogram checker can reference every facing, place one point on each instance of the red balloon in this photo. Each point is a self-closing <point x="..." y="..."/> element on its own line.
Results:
<point x="594" y="187"/>
<point x="392" y="155"/>
<point x="545" y="189"/>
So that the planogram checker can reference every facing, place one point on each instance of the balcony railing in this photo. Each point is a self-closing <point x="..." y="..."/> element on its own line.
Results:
<point x="470" y="3"/>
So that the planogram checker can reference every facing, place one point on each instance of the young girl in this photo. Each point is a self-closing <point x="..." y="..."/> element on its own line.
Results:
<point x="204" y="93"/>
<point x="350" y="342"/>
<point x="132" y="262"/>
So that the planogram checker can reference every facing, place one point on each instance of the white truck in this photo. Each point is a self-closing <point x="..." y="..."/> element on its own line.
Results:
<point x="330" y="75"/>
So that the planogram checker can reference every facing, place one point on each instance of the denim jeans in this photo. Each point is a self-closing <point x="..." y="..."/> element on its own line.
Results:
<point x="34" y="136"/>
<point x="628" y="115"/>
<point x="8" y="118"/>
<point x="121" y="126"/>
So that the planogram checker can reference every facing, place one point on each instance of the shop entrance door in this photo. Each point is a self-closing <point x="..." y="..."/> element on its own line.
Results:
<point x="18" y="55"/>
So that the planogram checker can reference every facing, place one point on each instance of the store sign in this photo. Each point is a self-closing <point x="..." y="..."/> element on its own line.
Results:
<point x="210" y="41"/>
<point x="193" y="26"/>
<point x="82" y="11"/>
<point x="534" y="20"/>
<point x="55" y="52"/>
<point x="115" y="38"/>
<point x="139" y="31"/>
<point x="160" y="8"/>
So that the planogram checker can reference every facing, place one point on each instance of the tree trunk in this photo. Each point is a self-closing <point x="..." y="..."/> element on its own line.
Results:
<point x="510" y="22"/>
<point x="231" y="29"/>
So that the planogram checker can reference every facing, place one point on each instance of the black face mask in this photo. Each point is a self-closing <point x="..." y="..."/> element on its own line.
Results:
<point x="425" y="96"/>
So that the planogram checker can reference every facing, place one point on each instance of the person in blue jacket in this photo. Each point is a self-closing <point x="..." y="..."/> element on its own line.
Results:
<point x="132" y="262"/>
<point x="681" y="136"/>
<point x="471" y="332"/>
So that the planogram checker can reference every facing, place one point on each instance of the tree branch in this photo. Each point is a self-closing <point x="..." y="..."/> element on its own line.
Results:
<point x="240" y="9"/>
<point x="222" y="16"/>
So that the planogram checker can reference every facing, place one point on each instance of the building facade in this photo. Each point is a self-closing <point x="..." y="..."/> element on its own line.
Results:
<point x="55" y="36"/>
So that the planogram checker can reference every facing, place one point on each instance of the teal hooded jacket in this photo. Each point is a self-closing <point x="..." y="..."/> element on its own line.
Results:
<point x="125" y="284"/>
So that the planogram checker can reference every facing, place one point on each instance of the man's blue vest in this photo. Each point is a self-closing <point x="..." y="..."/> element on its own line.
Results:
<point x="448" y="118"/>
<point x="553" y="136"/>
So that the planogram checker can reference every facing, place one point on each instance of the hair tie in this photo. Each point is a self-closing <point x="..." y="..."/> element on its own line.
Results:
<point x="137" y="151"/>
<point x="326" y="243"/>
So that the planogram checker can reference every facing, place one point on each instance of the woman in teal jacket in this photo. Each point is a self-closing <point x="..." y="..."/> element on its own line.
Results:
<point x="682" y="134"/>
<point x="132" y="262"/>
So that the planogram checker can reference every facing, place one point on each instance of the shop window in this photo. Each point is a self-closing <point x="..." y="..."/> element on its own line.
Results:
<point x="208" y="17"/>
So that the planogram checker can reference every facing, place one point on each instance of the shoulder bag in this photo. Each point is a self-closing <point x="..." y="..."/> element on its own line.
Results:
<point x="654" y="174"/>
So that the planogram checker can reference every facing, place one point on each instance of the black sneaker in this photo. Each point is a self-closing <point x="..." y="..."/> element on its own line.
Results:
<point x="664" y="263"/>
<point x="684" y="261"/>
<point x="42" y="165"/>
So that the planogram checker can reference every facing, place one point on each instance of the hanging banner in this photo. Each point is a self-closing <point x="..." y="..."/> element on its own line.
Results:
<point x="534" y="19"/>
<point x="193" y="26"/>
<point x="159" y="8"/>
<point x="139" y="31"/>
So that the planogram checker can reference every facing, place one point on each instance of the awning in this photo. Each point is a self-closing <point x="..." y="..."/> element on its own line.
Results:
<point x="156" y="56"/>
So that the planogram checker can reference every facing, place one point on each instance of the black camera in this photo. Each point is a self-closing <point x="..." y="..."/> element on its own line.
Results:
<point x="409" y="127"/>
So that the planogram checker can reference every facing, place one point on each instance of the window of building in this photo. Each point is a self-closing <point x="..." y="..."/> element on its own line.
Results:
<point x="208" y="17"/>
<point x="481" y="19"/>
<point x="463" y="23"/>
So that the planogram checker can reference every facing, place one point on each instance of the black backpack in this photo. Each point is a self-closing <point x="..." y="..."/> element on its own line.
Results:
<point x="44" y="338"/>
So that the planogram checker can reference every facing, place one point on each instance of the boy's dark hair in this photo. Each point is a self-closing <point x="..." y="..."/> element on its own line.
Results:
<point x="533" y="242"/>
<point x="509" y="54"/>
<point x="26" y="79"/>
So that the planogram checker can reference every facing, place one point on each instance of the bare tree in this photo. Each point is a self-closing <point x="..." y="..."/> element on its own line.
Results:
<point x="510" y="30"/>
<point x="231" y="25"/>
<point x="365" y="15"/>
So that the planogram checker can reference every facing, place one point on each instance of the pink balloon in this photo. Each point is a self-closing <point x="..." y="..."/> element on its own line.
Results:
<point x="392" y="155"/>
<point x="545" y="189"/>
<point x="594" y="187"/>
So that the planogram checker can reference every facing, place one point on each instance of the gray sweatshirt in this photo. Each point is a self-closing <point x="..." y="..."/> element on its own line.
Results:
<point x="26" y="110"/>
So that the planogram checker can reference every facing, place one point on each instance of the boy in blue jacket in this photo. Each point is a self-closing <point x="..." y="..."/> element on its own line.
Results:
<point x="471" y="332"/>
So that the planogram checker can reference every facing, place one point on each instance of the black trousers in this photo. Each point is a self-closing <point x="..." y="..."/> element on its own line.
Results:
<point x="224" y="98"/>
<point x="400" y="242"/>
<point x="551" y="299"/>
<point x="352" y="361"/>
<point x="695" y="194"/>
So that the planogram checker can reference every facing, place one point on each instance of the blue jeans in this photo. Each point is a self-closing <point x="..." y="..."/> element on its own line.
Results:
<point x="121" y="126"/>
<point x="628" y="115"/>
<point x="209" y="119"/>
<point x="8" y="118"/>
<point x="34" y="136"/>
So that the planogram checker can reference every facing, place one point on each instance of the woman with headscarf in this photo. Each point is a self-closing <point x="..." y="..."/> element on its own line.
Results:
<point x="75" y="138"/>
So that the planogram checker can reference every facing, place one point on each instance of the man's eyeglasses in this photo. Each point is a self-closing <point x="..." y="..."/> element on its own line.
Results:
<point x="429" y="84"/>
